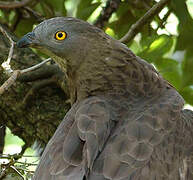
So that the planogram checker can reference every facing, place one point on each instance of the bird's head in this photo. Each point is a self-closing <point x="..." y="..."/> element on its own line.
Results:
<point x="64" y="39"/>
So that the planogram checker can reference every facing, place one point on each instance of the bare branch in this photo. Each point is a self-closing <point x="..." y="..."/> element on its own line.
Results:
<point x="45" y="72"/>
<point x="9" y="82"/>
<point x="111" y="6"/>
<point x="15" y="169"/>
<point x="9" y="156"/>
<point x="135" y="28"/>
<point x="6" y="34"/>
<point x="13" y="5"/>
<point x="17" y="73"/>
<point x="163" y="20"/>
<point x="6" y="64"/>
<point x="35" y="66"/>
<point x="35" y="14"/>
<point x="3" y="173"/>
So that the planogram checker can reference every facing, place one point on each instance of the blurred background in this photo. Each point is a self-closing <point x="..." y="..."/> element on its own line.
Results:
<point x="31" y="110"/>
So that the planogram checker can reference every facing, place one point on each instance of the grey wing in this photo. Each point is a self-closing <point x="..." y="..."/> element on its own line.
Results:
<point x="76" y="143"/>
<point x="139" y="146"/>
<point x="52" y="163"/>
<point x="143" y="146"/>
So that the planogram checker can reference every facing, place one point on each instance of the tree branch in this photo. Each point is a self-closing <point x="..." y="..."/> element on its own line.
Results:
<point x="17" y="73"/>
<point x="14" y="5"/>
<point x="9" y="82"/>
<point x="46" y="71"/>
<point x="111" y="6"/>
<point x="135" y="28"/>
<point x="6" y="64"/>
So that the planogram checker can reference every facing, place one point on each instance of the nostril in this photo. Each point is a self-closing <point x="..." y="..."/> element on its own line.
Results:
<point x="30" y="35"/>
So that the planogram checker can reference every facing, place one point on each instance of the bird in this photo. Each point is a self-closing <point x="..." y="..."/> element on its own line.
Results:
<point x="126" y="121"/>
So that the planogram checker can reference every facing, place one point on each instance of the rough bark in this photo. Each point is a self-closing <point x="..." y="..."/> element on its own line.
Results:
<point x="37" y="102"/>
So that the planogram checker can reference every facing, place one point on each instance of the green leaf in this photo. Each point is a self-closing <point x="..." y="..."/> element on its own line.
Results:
<point x="53" y="8"/>
<point x="158" y="48"/>
<point x="185" y="28"/>
<point x="135" y="47"/>
<point x="123" y="21"/>
<point x="24" y="26"/>
<point x="181" y="10"/>
<point x="48" y="10"/>
<point x="187" y="66"/>
<point x="38" y="8"/>
<point x="187" y="94"/>
<point x="58" y="6"/>
<point x="171" y="70"/>
<point x="146" y="41"/>
<point x="86" y="8"/>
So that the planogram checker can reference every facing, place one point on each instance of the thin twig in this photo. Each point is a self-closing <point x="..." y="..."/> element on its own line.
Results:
<point x="6" y="166"/>
<point x="15" y="169"/>
<point x="23" y="148"/>
<point x="27" y="164"/>
<point x="6" y="34"/>
<point x="11" y="164"/>
<point x="37" y="15"/>
<point x="35" y="66"/>
<point x="14" y="5"/>
<point x="17" y="73"/>
<point x="9" y="82"/>
<point x="3" y="173"/>
<point x="26" y="170"/>
<point x="163" y="20"/>
<point x="6" y="64"/>
<point x="7" y="156"/>
<point x="135" y="28"/>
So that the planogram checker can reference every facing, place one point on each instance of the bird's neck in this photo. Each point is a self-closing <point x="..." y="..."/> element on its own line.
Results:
<point x="117" y="72"/>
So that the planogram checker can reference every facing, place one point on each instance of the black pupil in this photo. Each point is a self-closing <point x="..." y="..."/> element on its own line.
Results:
<point x="60" y="35"/>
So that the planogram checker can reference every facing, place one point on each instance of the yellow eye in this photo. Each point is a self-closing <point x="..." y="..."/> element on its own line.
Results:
<point x="60" y="35"/>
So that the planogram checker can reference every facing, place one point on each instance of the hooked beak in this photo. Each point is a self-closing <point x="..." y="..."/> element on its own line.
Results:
<point x="27" y="40"/>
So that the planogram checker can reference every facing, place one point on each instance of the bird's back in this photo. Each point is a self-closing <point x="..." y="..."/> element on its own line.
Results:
<point x="116" y="138"/>
<point x="125" y="130"/>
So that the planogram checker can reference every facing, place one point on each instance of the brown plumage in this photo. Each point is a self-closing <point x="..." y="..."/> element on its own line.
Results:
<point x="126" y="121"/>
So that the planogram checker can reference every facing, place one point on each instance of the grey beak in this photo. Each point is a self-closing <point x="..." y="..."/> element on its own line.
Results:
<point x="26" y="40"/>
